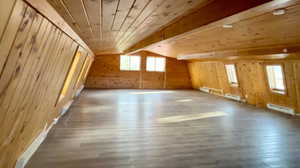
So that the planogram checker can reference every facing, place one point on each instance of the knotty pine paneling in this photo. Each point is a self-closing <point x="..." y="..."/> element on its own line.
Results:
<point x="34" y="61"/>
<point x="253" y="85"/>
<point x="105" y="73"/>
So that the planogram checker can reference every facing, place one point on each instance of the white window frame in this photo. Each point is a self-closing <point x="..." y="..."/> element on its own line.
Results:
<point x="232" y="75"/>
<point x="272" y="81"/>
<point x="130" y="67"/>
<point x="155" y="68"/>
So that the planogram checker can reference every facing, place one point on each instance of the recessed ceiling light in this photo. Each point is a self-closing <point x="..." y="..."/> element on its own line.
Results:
<point x="278" y="12"/>
<point x="227" y="26"/>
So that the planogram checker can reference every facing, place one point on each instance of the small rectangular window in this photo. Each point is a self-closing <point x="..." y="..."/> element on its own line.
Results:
<point x="276" y="78"/>
<point x="130" y="63"/>
<point x="231" y="74"/>
<point x="156" y="64"/>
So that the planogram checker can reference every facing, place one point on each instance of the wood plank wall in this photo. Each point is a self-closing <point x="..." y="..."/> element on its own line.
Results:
<point x="252" y="79"/>
<point x="105" y="73"/>
<point x="35" y="57"/>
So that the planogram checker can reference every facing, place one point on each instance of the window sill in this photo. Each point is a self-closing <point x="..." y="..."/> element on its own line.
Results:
<point x="130" y="70"/>
<point x="278" y="92"/>
<point x="234" y="85"/>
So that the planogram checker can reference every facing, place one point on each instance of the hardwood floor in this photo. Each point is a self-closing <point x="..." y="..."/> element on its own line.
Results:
<point x="168" y="129"/>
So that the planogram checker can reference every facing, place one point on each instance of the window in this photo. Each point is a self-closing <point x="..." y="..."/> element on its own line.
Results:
<point x="231" y="74"/>
<point x="83" y="69"/>
<point x="156" y="64"/>
<point x="69" y="78"/>
<point x="130" y="63"/>
<point x="276" y="78"/>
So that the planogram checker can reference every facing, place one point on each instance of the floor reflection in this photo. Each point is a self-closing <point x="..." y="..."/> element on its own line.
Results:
<point x="182" y="118"/>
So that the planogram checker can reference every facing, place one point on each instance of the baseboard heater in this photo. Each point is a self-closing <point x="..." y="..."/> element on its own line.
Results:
<point x="204" y="89"/>
<point x="281" y="108"/>
<point x="233" y="97"/>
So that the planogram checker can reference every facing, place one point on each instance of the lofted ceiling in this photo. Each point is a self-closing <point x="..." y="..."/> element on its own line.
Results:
<point x="257" y="31"/>
<point x="111" y="26"/>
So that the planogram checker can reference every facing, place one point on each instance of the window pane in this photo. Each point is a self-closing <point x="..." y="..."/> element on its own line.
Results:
<point x="135" y="63"/>
<point x="160" y="64"/>
<point x="231" y="74"/>
<point x="150" y="64"/>
<point x="130" y="63"/>
<point x="275" y="77"/>
<point x="157" y="64"/>
<point x="124" y="62"/>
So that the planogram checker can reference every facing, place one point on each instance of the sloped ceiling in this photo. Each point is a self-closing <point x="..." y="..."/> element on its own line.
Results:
<point x="111" y="26"/>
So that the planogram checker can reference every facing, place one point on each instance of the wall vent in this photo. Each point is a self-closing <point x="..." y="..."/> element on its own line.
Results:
<point x="281" y="108"/>
<point x="204" y="89"/>
<point x="233" y="97"/>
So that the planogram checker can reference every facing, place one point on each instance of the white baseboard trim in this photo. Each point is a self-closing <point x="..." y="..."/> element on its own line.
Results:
<point x="66" y="107"/>
<point x="25" y="157"/>
<point x="79" y="91"/>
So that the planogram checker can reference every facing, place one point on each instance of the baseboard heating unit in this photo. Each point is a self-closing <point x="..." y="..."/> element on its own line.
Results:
<point x="204" y="89"/>
<point x="233" y="97"/>
<point x="281" y="108"/>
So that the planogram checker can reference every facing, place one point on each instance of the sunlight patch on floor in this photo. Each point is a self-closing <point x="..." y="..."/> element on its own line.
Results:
<point x="190" y="117"/>
<point x="150" y="92"/>
<point x="184" y="100"/>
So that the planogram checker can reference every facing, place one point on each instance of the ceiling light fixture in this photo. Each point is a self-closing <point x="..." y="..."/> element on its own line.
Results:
<point x="227" y="26"/>
<point x="278" y="12"/>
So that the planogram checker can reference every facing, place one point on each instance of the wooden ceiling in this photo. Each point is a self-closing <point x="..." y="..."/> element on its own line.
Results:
<point x="111" y="26"/>
<point x="256" y="31"/>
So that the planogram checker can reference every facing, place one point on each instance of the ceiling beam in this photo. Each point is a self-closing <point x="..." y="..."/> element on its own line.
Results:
<point x="212" y="12"/>
<point x="275" y="52"/>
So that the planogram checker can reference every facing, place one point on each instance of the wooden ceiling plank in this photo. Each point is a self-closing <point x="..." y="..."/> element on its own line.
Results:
<point x="137" y="8"/>
<point x="196" y="19"/>
<point x="109" y="9"/>
<point x="166" y="13"/>
<point x="262" y="31"/>
<point x="93" y="12"/>
<point x="61" y="8"/>
<point x="87" y="16"/>
<point x="76" y="10"/>
<point x="122" y="13"/>
<point x="151" y="8"/>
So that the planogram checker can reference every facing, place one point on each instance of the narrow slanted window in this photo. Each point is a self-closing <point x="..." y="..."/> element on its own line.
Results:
<point x="156" y="64"/>
<point x="276" y="78"/>
<point x="130" y="63"/>
<point x="231" y="74"/>
<point x="69" y="77"/>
